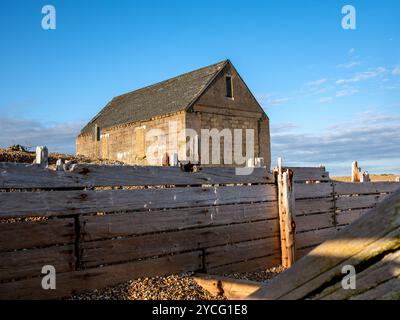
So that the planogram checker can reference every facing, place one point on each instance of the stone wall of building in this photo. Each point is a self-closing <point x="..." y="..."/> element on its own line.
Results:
<point x="218" y="123"/>
<point x="130" y="143"/>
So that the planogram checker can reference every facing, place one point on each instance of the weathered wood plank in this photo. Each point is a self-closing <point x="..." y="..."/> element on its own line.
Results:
<point x="118" y="250"/>
<point x="367" y="279"/>
<point x="232" y="289"/>
<point x="286" y="216"/>
<point x="136" y="223"/>
<point x="343" y="188"/>
<point x="314" y="237"/>
<point x="27" y="234"/>
<point x="358" y="202"/>
<point x="313" y="190"/>
<point x="47" y="203"/>
<point x="303" y="251"/>
<point x="349" y="216"/>
<point x="375" y="233"/>
<point x="242" y="251"/>
<point x="302" y="174"/>
<point x="29" y="263"/>
<point x="20" y="175"/>
<point x="389" y="290"/>
<point x="308" y="206"/>
<point x="248" y="266"/>
<point x="97" y="278"/>
<point x="314" y="221"/>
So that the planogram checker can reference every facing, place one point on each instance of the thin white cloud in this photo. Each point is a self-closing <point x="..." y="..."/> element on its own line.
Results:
<point x="361" y="76"/>
<point x="349" y="65"/>
<point x="316" y="82"/>
<point x="396" y="71"/>
<point x="283" y="127"/>
<point x="324" y="100"/>
<point x="352" y="50"/>
<point x="346" y="92"/>
<point x="278" y="101"/>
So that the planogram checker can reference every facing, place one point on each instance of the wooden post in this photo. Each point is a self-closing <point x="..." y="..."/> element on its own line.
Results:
<point x="286" y="215"/>
<point x="59" y="165"/>
<point x="259" y="162"/>
<point x="365" y="177"/>
<point x="175" y="160"/>
<point x="42" y="156"/>
<point x="355" y="172"/>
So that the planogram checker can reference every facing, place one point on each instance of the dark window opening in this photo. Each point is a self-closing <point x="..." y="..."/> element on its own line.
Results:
<point x="229" y="92"/>
<point x="98" y="133"/>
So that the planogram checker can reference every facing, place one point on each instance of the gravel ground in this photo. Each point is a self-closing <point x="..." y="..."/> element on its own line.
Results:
<point x="174" y="287"/>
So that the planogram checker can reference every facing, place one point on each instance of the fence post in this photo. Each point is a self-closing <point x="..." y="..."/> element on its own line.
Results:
<point x="286" y="204"/>
<point x="355" y="172"/>
<point x="42" y="156"/>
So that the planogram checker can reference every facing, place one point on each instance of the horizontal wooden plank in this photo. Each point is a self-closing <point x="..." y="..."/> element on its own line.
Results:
<point x="21" y="175"/>
<point x="98" y="278"/>
<point x="314" y="237"/>
<point x="247" y="266"/>
<point x="46" y="203"/>
<point x="28" y="234"/>
<point x="313" y="190"/>
<point x="242" y="251"/>
<point x="358" y="202"/>
<point x="314" y="221"/>
<point x="302" y="174"/>
<point x="309" y="206"/>
<point x="117" y="250"/>
<point x="349" y="216"/>
<point x="303" y="251"/>
<point x="136" y="223"/>
<point x="342" y="188"/>
<point x="29" y="263"/>
<point x="232" y="289"/>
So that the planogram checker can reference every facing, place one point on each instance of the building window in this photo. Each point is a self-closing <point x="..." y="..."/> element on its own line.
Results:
<point x="229" y="89"/>
<point x="96" y="133"/>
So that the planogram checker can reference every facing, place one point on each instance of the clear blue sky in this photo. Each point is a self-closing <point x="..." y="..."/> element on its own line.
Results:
<point x="332" y="95"/>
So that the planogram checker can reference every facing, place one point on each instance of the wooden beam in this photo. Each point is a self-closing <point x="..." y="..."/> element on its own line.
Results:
<point x="22" y="175"/>
<point x="62" y="203"/>
<point x="286" y="215"/>
<point x="232" y="289"/>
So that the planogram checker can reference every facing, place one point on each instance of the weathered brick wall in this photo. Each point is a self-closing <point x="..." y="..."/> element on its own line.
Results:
<point x="127" y="143"/>
<point x="220" y="122"/>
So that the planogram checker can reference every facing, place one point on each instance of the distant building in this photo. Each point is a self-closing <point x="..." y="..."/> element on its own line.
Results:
<point x="211" y="97"/>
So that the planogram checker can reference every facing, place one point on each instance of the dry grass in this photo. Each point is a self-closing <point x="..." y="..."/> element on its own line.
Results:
<point x="373" y="177"/>
<point x="9" y="155"/>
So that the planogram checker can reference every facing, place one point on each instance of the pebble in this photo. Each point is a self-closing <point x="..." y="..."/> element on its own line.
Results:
<point x="173" y="287"/>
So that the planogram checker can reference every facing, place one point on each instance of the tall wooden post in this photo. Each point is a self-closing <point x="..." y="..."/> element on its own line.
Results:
<point x="286" y="215"/>
<point x="355" y="172"/>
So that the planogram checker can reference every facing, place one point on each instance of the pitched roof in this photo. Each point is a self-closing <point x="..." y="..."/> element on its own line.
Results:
<point x="166" y="97"/>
